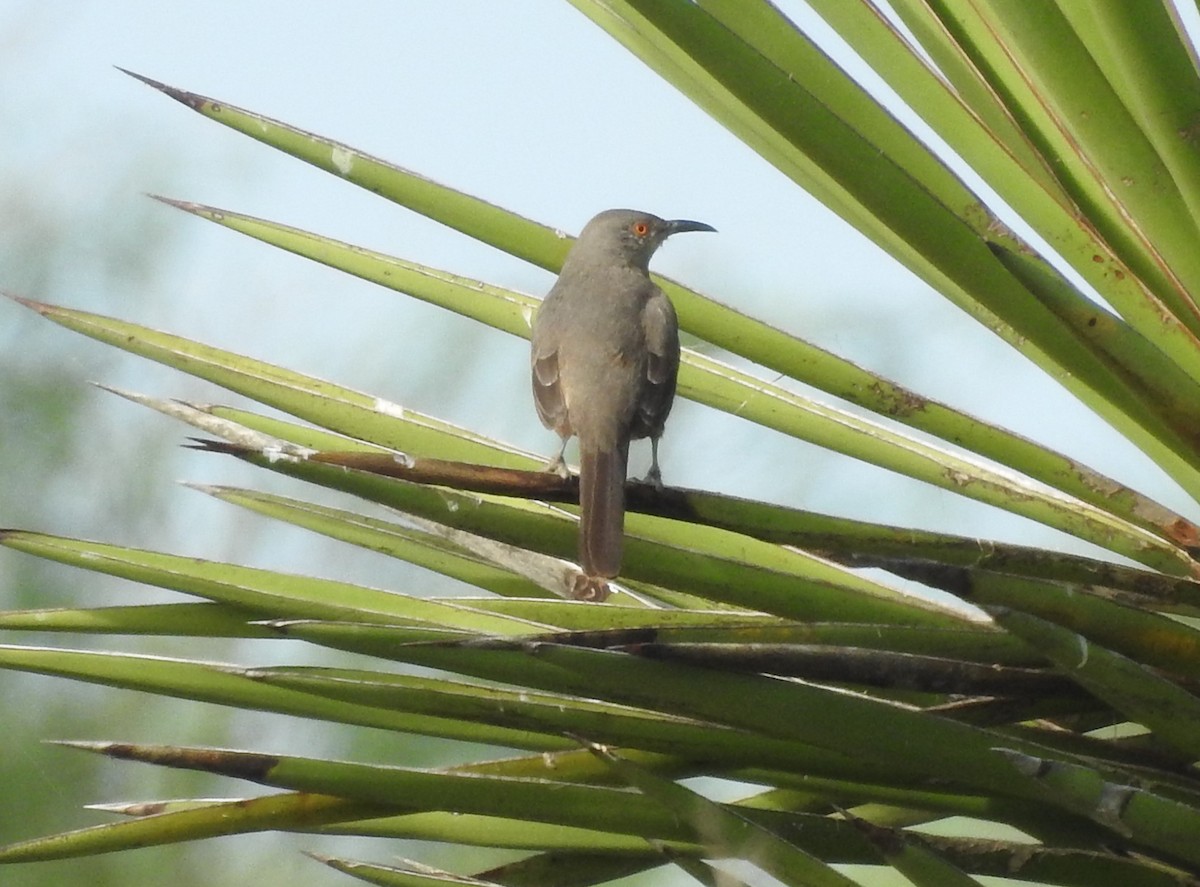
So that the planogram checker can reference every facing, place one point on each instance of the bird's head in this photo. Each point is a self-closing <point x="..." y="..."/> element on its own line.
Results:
<point x="628" y="236"/>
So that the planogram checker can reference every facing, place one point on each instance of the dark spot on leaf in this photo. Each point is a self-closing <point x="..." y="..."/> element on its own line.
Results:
<point x="242" y="765"/>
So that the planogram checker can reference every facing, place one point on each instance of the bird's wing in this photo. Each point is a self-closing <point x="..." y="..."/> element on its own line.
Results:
<point x="661" y="330"/>
<point x="547" y="392"/>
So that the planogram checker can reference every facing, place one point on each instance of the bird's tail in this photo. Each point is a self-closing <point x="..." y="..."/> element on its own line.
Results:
<point x="602" y="509"/>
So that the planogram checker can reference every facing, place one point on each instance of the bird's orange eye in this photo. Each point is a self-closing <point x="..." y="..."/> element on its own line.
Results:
<point x="641" y="229"/>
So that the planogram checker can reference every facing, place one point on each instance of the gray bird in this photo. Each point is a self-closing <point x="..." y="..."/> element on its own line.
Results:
<point x="605" y="359"/>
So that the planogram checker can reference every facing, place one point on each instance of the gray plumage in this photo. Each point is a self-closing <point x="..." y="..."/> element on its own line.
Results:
<point x="605" y="358"/>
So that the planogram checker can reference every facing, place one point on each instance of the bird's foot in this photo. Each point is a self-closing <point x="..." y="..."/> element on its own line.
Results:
<point x="590" y="588"/>
<point x="654" y="476"/>
<point x="558" y="465"/>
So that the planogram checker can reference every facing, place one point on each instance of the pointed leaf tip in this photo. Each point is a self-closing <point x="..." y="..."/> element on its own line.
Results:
<point x="28" y="303"/>
<point x="119" y="392"/>
<point x="225" y="762"/>
<point x="149" y="81"/>
<point x="207" y="445"/>
<point x="185" y="205"/>
<point x="210" y="489"/>
<point x="162" y="198"/>
<point x="191" y="99"/>
<point x="81" y="744"/>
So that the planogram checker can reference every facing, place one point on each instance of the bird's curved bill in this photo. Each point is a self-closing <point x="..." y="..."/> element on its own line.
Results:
<point x="678" y="226"/>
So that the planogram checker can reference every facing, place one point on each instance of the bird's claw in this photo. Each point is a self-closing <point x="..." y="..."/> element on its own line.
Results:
<point x="590" y="588"/>
<point x="558" y="465"/>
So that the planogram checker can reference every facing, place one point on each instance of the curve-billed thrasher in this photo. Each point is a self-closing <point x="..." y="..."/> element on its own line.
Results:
<point x="605" y="358"/>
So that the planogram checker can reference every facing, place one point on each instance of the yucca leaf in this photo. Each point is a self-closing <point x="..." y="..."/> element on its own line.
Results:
<point x="851" y="724"/>
<point x="267" y="593"/>
<point x="1127" y="810"/>
<point x="275" y="812"/>
<point x="918" y="745"/>
<point x="1152" y="638"/>
<point x="481" y="658"/>
<point x="1036" y="61"/>
<point x="910" y="857"/>
<point x="725" y="328"/>
<point x="573" y="869"/>
<point x="359" y="415"/>
<point x="226" y="685"/>
<point x="414" y="546"/>
<point x="724" y="832"/>
<point x="1162" y="706"/>
<point x="698" y="560"/>
<point x="1166" y="390"/>
<point x="853" y="541"/>
<point x="692" y="744"/>
<point x="777" y="113"/>
<point x="331" y="406"/>
<point x="408" y="874"/>
<point x="183" y="620"/>
<point x="970" y="116"/>
<point x="543" y="800"/>
<point x="950" y="95"/>
<point x="719" y="385"/>
<point x="1144" y="57"/>
<point x="649" y="633"/>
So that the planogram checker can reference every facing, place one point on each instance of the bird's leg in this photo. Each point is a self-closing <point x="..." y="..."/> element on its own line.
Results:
<point x="558" y="464"/>
<point x="654" y="475"/>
